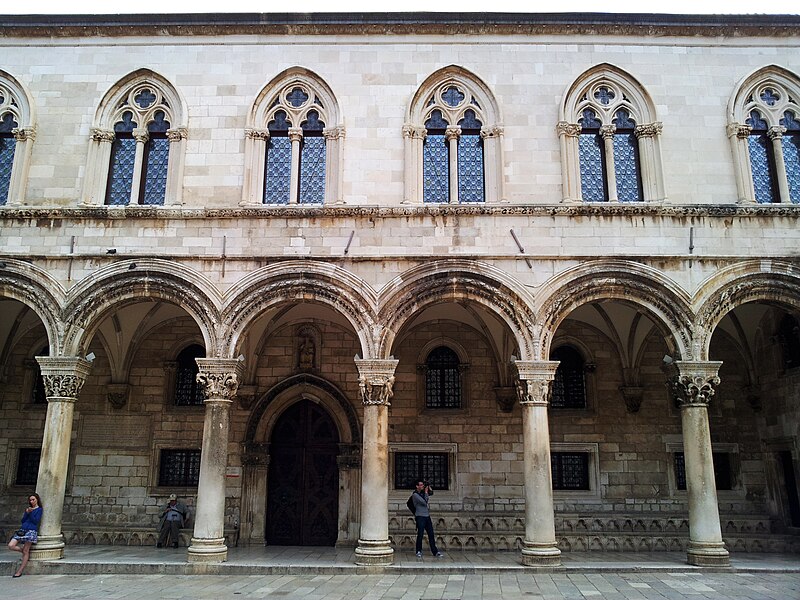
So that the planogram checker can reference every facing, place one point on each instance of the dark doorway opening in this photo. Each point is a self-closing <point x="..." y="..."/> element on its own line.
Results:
<point x="787" y="467"/>
<point x="303" y="483"/>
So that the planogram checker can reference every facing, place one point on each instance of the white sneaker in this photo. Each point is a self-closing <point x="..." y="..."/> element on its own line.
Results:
<point x="439" y="555"/>
<point x="419" y="554"/>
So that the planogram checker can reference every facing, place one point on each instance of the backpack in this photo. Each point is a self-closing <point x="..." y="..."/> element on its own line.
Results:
<point x="410" y="504"/>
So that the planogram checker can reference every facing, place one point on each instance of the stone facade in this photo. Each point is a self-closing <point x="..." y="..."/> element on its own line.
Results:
<point x="691" y="286"/>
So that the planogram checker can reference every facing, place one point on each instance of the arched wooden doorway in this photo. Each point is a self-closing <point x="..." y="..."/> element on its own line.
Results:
<point x="302" y="488"/>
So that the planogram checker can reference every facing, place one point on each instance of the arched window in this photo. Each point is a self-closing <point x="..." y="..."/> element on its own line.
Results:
<point x="569" y="386"/>
<point x="789" y="339"/>
<point x="187" y="391"/>
<point x="137" y="144"/>
<point x="442" y="379"/>
<point x="610" y="141"/>
<point x="293" y="143"/>
<point x="16" y="138"/>
<point x="452" y="141"/>
<point x="764" y="129"/>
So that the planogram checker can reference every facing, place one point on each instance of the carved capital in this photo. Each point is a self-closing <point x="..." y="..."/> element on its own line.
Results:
<point x="141" y="135"/>
<point x="608" y="131"/>
<point x="414" y="132"/>
<point x="117" y="394"/>
<point x="491" y="132"/>
<point x="219" y="377"/>
<point x="63" y="376"/>
<point x="568" y="129"/>
<point x="333" y="133"/>
<point x="257" y="134"/>
<point x="633" y="397"/>
<point x="23" y="134"/>
<point x="776" y="133"/>
<point x="101" y="135"/>
<point x="177" y="134"/>
<point x="295" y="134"/>
<point x="505" y="397"/>
<point x="246" y="395"/>
<point x="375" y="380"/>
<point x="738" y="130"/>
<point x="452" y="133"/>
<point x="535" y="377"/>
<point x="648" y="130"/>
<point x="692" y="383"/>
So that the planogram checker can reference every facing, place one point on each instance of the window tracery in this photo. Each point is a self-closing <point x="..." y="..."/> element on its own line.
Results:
<point x="764" y="129"/>
<point x="16" y="138"/>
<point x="452" y="138"/>
<point x="293" y="143"/>
<point x="610" y="141"/>
<point x="137" y="145"/>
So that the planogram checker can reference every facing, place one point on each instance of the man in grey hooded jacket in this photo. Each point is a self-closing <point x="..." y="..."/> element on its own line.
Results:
<point x="422" y="514"/>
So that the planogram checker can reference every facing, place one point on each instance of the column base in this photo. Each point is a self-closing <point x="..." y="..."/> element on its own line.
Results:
<point x="374" y="552"/>
<point x="708" y="555"/>
<point x="540" y="555"/>
<point x="208" y="550"/>
<point x="49" y="547"/>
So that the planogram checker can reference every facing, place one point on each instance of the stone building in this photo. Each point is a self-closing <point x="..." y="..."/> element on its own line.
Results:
<point x="283" y="265"/>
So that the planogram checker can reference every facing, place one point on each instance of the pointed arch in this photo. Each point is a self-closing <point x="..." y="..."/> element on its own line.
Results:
<point x="293" y="142"/>
<point x="764" y="131"/>
<point x="17" y="133"/>
<point x="453" y="140"/>
<point x="610" y="139"/>
<point x="137" y="144"/>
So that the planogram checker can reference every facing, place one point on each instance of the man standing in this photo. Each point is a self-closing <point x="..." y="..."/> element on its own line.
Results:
<point x="173" y="518"/>
<point x="420" y="497"/>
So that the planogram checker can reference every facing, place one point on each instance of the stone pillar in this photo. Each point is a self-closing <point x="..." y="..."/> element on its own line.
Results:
<point x="295" y="136"/>
<point x="451" y="134"/>
<point x="607" y="133"/>
<point x="64" y="377"/>
<point x="776" y="134"/>
<point x="349" y="463"/>
<point x="375" y="381"/>
<point x="255" y="463"/>
<point x="219" y="378"/>
<point x="176" y="161"/>
<point x="141" y="135"/>
<point x="691" y="384"/>
<point x="539" y="548"/>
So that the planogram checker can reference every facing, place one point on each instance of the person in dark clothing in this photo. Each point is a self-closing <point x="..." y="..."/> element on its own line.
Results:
<point x="172" y="519"/>
<point x="422" y="514"/>
<point x="28" y="532"/>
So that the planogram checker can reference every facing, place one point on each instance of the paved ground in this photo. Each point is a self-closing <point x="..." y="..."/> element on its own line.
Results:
<point x="501" y="586"/>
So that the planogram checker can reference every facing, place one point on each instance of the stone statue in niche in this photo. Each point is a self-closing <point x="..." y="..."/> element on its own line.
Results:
<point x="306" y="353"/>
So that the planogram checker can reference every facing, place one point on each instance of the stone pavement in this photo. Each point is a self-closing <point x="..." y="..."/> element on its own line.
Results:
<point x="111" y="572"/>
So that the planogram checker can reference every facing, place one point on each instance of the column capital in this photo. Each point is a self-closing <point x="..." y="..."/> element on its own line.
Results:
<point x="333" y="133"/>
<point x="23" y="134"/>
<point x="63" y="376"/>
<point x="692" y="382"/>
<point x="648" y="130"/>
<point x="295" y="134"/>
<point x="565" y="128"/>
<point x="414" y="132"/>
<point x="607" y="131"/>
<point x="219" y="377"/>
<point x="177" y="134"/>
<point x="101" y="135"/>
<point x="141" y="135"/>
<point x="452" y="132"/>
<point x="491" y="132"/>
<point x="375" y="379"/>
<point x="533" y="387"/>
<point x="256" y="134"/>
<point x="776" y="132"/>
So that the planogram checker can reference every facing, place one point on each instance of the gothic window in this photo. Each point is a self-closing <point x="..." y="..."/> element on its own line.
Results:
<point x="789" y="340"/>
<point x="453" y="141"/>
<point x="293" y="143"/>
<point x="569" y="385"/>
<point x="442" y="379"/>
<point x="187" y="390"/>
<point x="764" y="129"/>
<point x="179" y="468"/>
<point x="410" y="467"/>
<point x="137" y="144"/>
<point x="610" y="141"/>
<point x="16" y="139"/>
<point x="28" y="466"/>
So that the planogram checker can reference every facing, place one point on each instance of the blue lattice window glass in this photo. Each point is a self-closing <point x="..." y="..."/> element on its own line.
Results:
<point x="470" y="160"/>
<point x="123" y="155"/>
<point x="626" y="159"/>
<point x="156" y="156"/>
<point x="791" y="154"/>
<point x="762" y="161"/>
<point x="592" y="159"/>
<point x="278" y="168"/>
<point x="312" y="161"/>
<point x="435" y="158"/>
<point x="7" y="146"/>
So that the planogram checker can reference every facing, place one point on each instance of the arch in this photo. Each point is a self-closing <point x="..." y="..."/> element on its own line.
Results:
<point x="665" y="302"/>
<point x="754" y="281"/>
<point x="118" y="98"/>
<point x="38" y="290"/>
<point x="471" y="127"/>
<point x="620" y="109"/>
<point x="17" y="133"/>
<point x="128" y="282"/>
<point x="310" y="117"/>
<point x="300" y="281"/>
<point x="455" y="281"/>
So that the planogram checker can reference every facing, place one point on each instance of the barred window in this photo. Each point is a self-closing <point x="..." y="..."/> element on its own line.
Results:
<point x="723" y="470"/>
<point x="7" y="147"/>
<point x="39" y="395"/>
<point x="187" y="390"/>
<point x="569" y="385"/>
<point x="570" y="470"/>
<point x="442" y="379"/>
<point x="410" y="467"/>
<point x="28" y="466"/>
<point x="789" y="339"/>
<point x="179" y="468"/>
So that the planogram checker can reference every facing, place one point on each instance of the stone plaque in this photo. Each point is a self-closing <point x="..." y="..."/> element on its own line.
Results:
<point x="102" y="431"/>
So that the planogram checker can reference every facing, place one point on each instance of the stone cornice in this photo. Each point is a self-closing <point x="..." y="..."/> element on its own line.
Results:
<point x="291" y="24"/>
<point x="77" y="213"/>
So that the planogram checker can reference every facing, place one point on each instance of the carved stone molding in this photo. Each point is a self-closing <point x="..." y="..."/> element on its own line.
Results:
<point x="23" y="134"/>
<point x="219" y="377"/>
<point x="505" y="397"/>
<point x="452" y="133"/>
<point x="141" y="135"/>
<point x="776" y="133"/>
<point x="118" y="394"/>
<point x="608" y="131"/>
<point x="692" y="383"/>
<point x="568" y="129"/>
<point x="101" y="135"/>
<point x="295" y="134"/>
<point x="246" y="395"/>
<point x="492" y="132"/>
<point x="177" y="134"/>
<point x="535" y="377"/>
<point x="738" y="130"/>
<point x="63" y="376"/>
<point x="256" y="134"/>
<point x="632" y="396"/>
<point x="648" y="130"/>
<point x="376" y="379"/>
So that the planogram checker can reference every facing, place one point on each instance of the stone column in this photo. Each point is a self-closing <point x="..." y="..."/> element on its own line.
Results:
<point x="295" y="136"/>
<point x="64" y="377"/>
<point x="255" y="463"/>
<point x="539" y="548"/>
<point x="219" y="378"/>
<point x="776" y="134"/>
<point x="176" y="160"/>
<point x="375" y="381"/>
<point x="141" y="135"/>
<point x="451" y="134"/>
<point x="607" y="133"/>
<point x="568" y="135"/>
<point x="691" y="384"/>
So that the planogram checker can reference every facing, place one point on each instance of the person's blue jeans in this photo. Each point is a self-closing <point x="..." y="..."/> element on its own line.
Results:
<point x="425" y="525"/>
